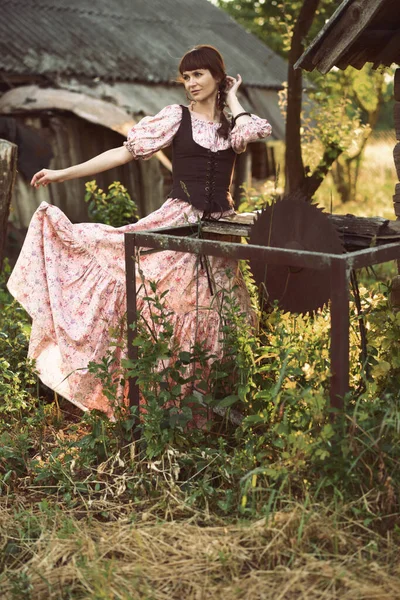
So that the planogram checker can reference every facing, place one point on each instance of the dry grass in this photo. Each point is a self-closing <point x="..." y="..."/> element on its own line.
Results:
<point x="301" y="554"/>
<point x="376" y="182"/>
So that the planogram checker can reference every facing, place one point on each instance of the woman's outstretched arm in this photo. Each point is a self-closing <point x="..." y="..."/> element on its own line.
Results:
<point x="101" y="162"/>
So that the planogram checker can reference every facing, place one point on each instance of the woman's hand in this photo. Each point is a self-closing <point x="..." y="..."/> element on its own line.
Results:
<point x="232" y="85"/>
<point x="46" y="176"/>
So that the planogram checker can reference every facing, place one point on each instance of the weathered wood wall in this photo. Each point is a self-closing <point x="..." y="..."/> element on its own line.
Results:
<point x="8" y="166"/>
<point x="395" y="287"/>
<point x="75" y="140"/>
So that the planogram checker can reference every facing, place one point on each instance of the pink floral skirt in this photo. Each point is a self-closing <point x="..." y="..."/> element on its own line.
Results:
<point x="70" y="278"/>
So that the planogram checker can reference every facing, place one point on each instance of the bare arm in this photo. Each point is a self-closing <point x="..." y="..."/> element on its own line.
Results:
<point x="232" y="101"/>
<point x="101" y="162"/>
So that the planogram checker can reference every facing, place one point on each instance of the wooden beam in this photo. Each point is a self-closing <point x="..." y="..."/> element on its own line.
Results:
<point x="344" y="32"/>
<point x="8" y="169"/>
<point x="306" y="59"/>
<point x="396" y="89"/>
<point x="396" y="156"/>
<point x="390" y="52"/>
<point x="397" y="119"/>
<point x="367" y="45"/>
<point x="396" y="197"/>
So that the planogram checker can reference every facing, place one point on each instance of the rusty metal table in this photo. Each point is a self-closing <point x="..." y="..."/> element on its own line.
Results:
<point x="340" y="267"/>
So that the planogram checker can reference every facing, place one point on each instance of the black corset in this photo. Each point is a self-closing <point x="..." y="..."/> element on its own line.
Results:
<point x="200" y="176"/>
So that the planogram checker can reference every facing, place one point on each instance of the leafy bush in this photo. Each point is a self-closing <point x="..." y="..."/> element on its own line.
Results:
<point x="115" y="208"/>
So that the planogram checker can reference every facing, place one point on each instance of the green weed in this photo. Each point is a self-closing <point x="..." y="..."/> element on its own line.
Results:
<point x="114" y="207"/>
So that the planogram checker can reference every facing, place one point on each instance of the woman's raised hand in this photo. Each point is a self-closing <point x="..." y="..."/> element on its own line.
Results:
<point x="46" y="176"/>
<point x="233" y="85"/>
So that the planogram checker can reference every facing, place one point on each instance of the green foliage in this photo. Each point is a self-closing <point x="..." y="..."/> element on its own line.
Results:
<point x="173" y="382"/>
<point x="114" y="207"/>
<point x="17" y="378"/>
<point x="384" y="334"/>
<point x="272" y="22"/>
<point x="286" y="446"/>
<point x="253" y="434"/>
<point x="352" y="99"/>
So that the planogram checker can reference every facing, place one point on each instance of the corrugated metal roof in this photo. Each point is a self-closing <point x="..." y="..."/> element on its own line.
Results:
<point x="126" y="40"/>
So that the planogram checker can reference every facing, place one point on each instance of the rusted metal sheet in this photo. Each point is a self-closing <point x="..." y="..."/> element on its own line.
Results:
<point x="373" y="256"/>
<point x="295" y="289"/>
<point x="171" y="239"/>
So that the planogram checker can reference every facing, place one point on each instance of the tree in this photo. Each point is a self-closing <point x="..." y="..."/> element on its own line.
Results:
<point x="272" y="21"/>
<point x="351" y="100"/>
<point x="368" y="90"/>
<point x="285" y="26"/>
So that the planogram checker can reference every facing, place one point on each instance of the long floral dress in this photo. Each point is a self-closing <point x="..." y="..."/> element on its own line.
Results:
<point x="70" y="278"/>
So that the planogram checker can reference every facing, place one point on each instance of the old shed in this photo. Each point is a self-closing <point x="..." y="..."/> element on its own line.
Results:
<point x="74" y="77"/>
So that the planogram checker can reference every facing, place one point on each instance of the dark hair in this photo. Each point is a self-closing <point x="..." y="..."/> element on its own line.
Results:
<point x="208" y="57"/>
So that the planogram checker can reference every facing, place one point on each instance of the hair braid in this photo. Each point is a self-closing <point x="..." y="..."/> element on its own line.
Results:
<point x="224" y="130"/>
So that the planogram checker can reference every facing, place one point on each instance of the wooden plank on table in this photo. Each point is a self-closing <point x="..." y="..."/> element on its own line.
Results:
<point x="361" y="232"/>
<point x="356" y="232"/>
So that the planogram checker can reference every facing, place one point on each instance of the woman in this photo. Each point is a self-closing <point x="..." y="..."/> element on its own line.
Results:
<point x="71" y="279"/>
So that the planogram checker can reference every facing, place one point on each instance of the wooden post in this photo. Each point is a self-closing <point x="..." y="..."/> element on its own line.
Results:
<point x="242" y="175"/>
<point x="395" y="292"/>
<point x="8" y="169"/>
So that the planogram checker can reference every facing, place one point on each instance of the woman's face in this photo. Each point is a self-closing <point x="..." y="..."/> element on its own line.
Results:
<point x="200" y="84"/>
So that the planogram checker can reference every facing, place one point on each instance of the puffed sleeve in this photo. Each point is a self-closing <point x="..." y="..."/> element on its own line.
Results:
<point x="154" y="133"/>
<point x="243" y="133"/>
